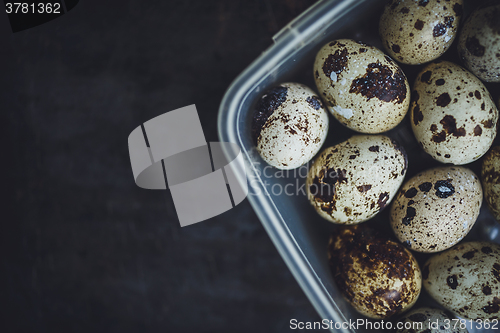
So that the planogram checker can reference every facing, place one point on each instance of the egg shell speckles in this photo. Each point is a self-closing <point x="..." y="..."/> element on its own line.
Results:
<point x="427" y="318"/>
<point x="377" y="276"/>
<point x="466" y="280"/>
<point x="479" y="43"/>
<point x="351" y="182"/>
<point x="435" y="209"/>
<point x="416" y="32"/>
<point x="363" y="88"/>
<point x="289" y="125"/>
<point x="452" y="114"/>
<point x="490" y="177"/>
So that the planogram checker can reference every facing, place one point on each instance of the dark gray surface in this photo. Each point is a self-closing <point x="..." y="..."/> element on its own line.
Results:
<point x="85" y="249"/>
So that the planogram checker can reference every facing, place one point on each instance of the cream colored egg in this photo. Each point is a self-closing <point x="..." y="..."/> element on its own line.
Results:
<point x="289" y="125"/>
<point x="415" y="32"/>
<point x="479" y="43"/>
<point x="490" y="176"/>
<point x="466" y="280"/>
<point x="453" y="115"/>
<point x="362" y="87"/>
<point x="351" y="182"/>
<point x="377" y="276"/>
<point x="436" y="209"/>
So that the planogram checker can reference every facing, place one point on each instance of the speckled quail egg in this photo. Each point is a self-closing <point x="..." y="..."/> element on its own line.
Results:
<point x="490" y="176"/>
<point x="362" y="87"/>
<point x="466" y="280"/>
<point x="415" y="32"/>
<point x="479" y="42"/>
<point x="289" y="125"/>
<point x="352" y="181"/>
<point x="377" y="276"/>
<point x="428" y="320"/>
<point x="453" y="115"/>
<point x="435" y="209"/>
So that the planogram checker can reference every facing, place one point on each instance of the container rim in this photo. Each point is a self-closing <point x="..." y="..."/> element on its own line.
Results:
<point x="308" y="25"/>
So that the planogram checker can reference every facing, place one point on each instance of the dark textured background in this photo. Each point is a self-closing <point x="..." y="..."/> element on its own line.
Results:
<point x="83" y="248"/>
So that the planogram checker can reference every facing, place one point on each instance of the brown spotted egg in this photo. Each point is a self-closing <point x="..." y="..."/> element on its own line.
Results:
<point x="479" y="43"/>
<point x="428" y="320"/>
<point x="351" y="182"/>
<point x="289" y="125"/>
<point x="435" y="209"/>
<point x="415" y="32"/>
<point x="453" y="115"/>
<point x="466" y="280"/>
<point x="490" y="176"/>
<point x="362" y="87"/>
<point x="377" y="276"/>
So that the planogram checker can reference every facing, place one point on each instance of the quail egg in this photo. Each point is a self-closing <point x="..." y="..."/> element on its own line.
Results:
<point x="437" y="208"/>
<point x="490" y="175"/>
<point x="415" y="32"/>
<point x="479" y="42"/>
<point x="351" y="182"/>
<point x="289" y="125"/>
<point x="466" y="280"/>
<point x="363" y="88"/>
<point x="453" y="115"/>
<point x="377" y="276"/>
